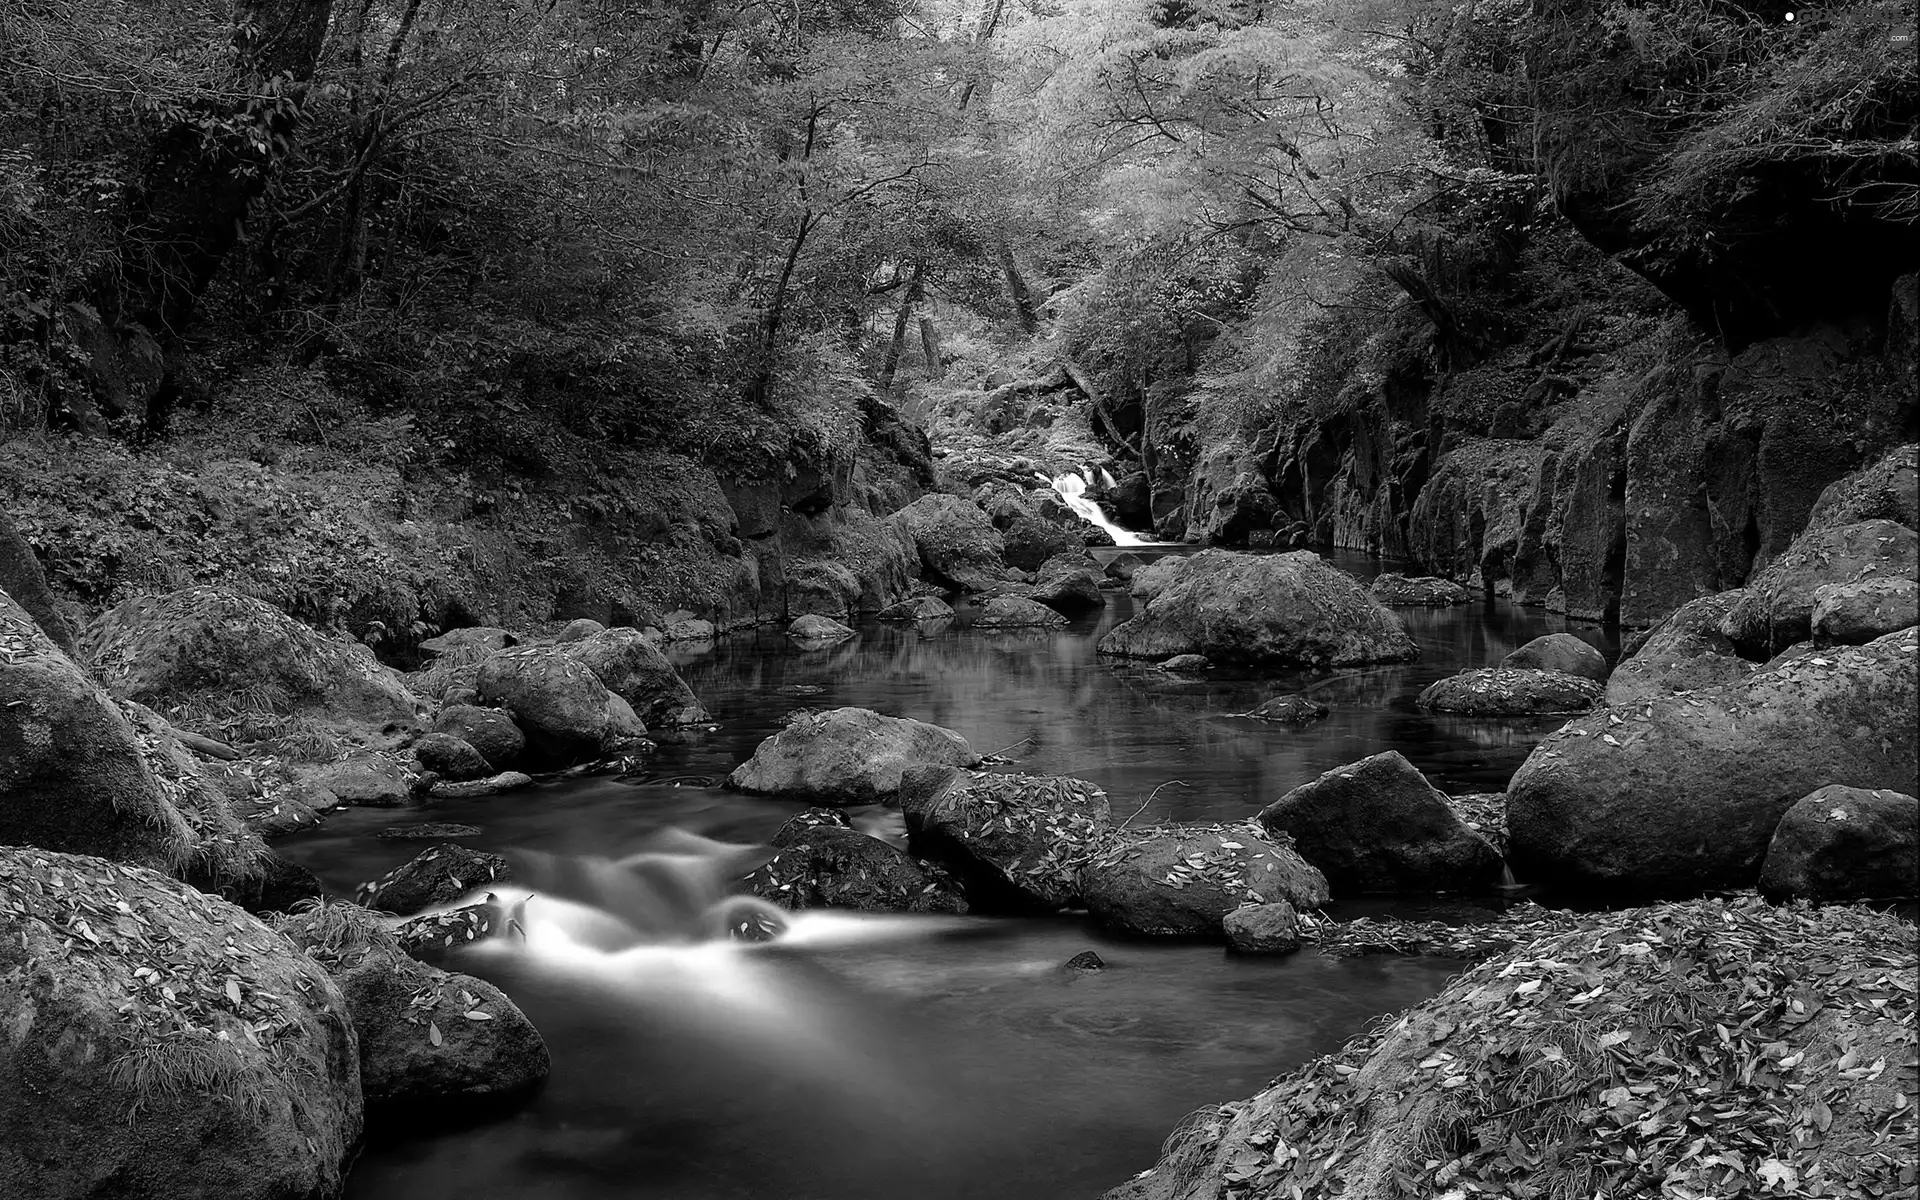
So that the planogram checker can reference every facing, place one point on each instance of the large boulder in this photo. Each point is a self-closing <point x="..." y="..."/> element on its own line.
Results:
<point x="491" y="731"/>
<point x="1028" y="537"/>
<point x="451" y="758"/>
<point x="199" y="648"/>
<point x="1680" y="794"/>
<point x="850" y="756"/>
<point x="1015" y="842"/>
<point x="1682" y="653"/>
<point x="438" y="875"/>
<point x="1561" y="652"/>
<point x="432" y="1043"/>
<point x="1377" y="825"/>
<point x="1852" y="614"/>
<point x="1510" y="692"/>
<point x="1569" y="1051"/>
<point x="634" y="668"/>
<point x="26" y="584"/>
<point x="1181" y="880"/>
<point x="1777" y="610"/>
<point x="1841" y="844"/>
<point x="162" y="1043"/>
<point x="1888" y="490"/>
<point x="1017" y="612"/>
<point x="957" y="542"/>
<point x="823" y="862"/>
<point x="1069" y="583"/>
<point x="1263" y="610"/>
<point x="73" y="776"/>
<point x="568" y="715"/>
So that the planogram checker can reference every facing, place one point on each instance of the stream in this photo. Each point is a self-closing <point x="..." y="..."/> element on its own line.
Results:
<point x="872" y="1057"/>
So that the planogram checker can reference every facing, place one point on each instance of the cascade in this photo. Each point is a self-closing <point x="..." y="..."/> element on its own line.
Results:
<point x="1072" y="487"/>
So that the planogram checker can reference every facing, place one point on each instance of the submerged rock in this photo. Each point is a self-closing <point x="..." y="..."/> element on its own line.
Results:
<point x="1263" y="610"/>
<point x="849" y="756"/>
<point x="1839" y="844"/>
<point x="429" y="831"/>
<point x="1016" y="842"/>
<point x="163" y="1043"/>
<point x="492" y="785"/>
<point x="1187" y="664"/>
<point x="1087" y="962"/>
<point x="1182" y="879"/>
<point x="1680" y="794"/>
<point x="1510" y="692"/>
<point x="438" y="875"/>
<point x="823" y="862"/>
<point x="1017" y="612"/>
<point x="1263" y="928"/>
<point x="431" y="1042"/>
<point x="1561" y="652"/>
<point x="1377" y="825"/>
<point x="817" y="630"/>
<point x="920" y="608"/>
<point x="1427" y="590"/>
<point x="1289" y="710"/>
<point x="1572" y="1049"/>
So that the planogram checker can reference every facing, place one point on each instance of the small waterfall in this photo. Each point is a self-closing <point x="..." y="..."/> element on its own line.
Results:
<point x="1106" y="478"/>
<point x="1073" y="489"/>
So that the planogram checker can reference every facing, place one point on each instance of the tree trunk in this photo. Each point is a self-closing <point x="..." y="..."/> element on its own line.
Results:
<point x="776" y="311"/>
<point x="1017" y="290"/>
<point x="891" y="364"/>
<point x="930" y="348"/>
<point x="190" y="204"/>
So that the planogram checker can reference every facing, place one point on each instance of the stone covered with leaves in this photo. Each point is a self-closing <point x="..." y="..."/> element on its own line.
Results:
<point x="1016" y="842"/>
<point x="1181" y="879"/>
<point x="1430" y="591"/>
<point x="1280" y="610"/>
<point x="437" y="875"/>
<point x="1701" y="1049"/>
<point x="1510" y="692"/>
<point x="823" y="862"/>
<point x="427" y="1037"/>
<point x="1678" y="794"/>
<point x="237" y="669"/>
<point x="848" y="756"/>
<point x="75" y="774"/>
<point x="1684" y="652"/>
<point x="1777" y="608"/>
<point x="163" y="1043"/>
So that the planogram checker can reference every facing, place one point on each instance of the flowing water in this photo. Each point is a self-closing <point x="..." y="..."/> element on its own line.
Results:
<point x="1073" y="487"/>
<point x="866" y="1058"/>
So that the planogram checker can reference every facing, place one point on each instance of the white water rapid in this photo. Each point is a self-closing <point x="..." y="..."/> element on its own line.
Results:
<point x="1072" y="487"/>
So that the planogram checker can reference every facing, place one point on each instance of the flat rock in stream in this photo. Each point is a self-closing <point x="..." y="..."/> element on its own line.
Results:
<point x="852" y="756"/>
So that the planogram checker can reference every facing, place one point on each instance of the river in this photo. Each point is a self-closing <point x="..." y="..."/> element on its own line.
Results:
<point x="868" y="1058"/>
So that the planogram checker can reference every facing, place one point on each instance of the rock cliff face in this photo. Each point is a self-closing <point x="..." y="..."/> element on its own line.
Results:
<point x="1614" y="460"/>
